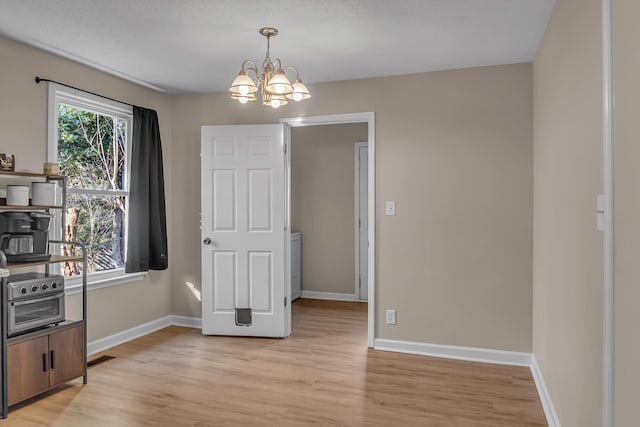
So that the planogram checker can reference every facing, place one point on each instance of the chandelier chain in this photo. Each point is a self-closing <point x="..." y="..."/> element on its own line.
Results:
<point x="267" y="60"/>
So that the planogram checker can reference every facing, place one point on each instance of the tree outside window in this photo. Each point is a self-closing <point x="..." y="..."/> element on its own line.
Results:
<point x="91" y="151"/>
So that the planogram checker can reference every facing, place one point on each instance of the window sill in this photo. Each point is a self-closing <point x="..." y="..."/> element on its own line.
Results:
<point x="74" y="286"/>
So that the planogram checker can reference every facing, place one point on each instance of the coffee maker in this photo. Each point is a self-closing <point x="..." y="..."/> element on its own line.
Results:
<point x="24" y="236"/>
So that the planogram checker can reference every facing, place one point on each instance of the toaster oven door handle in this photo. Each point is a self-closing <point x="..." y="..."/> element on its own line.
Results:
<point x="30" y="300"/>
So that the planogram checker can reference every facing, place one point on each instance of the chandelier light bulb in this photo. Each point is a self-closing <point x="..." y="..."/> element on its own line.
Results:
<point x="275" y="103"/>
<point x="244" y="90"/>
<point x="279" y="88"/>
<point x="243" y="99"/>
<point x="300" y="91"/>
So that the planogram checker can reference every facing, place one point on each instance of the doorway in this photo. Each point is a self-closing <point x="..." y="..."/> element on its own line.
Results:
<point x="369" y="119"/>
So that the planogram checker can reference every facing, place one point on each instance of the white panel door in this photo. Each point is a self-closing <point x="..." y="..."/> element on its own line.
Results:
<point x="243" y="230"/>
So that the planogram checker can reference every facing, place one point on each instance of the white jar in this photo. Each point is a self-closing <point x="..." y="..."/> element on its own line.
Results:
<point x="17" y="195"/>
<point x="43" y="193"/>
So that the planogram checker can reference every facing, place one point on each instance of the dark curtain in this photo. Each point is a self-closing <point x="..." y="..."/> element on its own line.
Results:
<point x="147" y="227"/>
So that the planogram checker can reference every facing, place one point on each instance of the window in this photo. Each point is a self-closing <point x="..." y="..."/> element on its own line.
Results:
<point x="91" y="137"/>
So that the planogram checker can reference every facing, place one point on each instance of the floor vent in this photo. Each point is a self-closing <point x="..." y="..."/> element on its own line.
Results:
<point x="99" y="360"/>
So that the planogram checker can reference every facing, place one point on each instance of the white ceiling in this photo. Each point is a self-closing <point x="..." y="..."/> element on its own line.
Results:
<point x="183" y="46"/>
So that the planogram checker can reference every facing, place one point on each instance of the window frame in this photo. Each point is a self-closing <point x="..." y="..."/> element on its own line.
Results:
<point x="59" y="94"/>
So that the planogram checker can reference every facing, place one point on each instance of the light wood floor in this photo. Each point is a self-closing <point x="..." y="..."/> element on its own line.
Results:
<point x="322" y="375"/>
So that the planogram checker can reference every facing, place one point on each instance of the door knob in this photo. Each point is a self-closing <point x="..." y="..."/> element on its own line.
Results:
<point x="207" y="241"/>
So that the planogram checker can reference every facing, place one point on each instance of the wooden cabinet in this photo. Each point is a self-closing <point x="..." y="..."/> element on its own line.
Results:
<point x="43" y="361"/>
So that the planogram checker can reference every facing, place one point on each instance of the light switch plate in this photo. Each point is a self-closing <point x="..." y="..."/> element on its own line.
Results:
<point x="390" y="208"/>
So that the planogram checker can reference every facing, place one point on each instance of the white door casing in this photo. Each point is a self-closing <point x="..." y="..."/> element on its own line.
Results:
<point x="369" y="118"/>
<point x="361" y="224"/>
<point x="243" y="230"/>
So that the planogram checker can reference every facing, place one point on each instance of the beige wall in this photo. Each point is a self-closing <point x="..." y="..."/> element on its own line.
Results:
<point x="322" y="203"/>
<point x="23" y="120"/>
<point x="456" y="260"/>
<point x="626" y="34"/>
<point x="457" y="158"/>
<point x="568" y="250"/>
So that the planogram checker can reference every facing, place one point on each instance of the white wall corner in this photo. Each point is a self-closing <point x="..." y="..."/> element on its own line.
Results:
<point x="479" y="355"/>
<point x="187" y="322"/>
<point x="543" y="392"/>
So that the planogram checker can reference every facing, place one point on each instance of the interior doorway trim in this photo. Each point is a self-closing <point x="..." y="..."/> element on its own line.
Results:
<point x="357" y="209"/>
<point x="608" y="294"/>
<point x="336" y="119"/>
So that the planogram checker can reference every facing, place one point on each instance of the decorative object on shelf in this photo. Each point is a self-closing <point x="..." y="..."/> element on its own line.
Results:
<point x="7" y="162"/>
<point x="274" y="86"/>
<point x="17" y="195"/>
<point x="51" y="168"/>
<point x="43" y="193"/>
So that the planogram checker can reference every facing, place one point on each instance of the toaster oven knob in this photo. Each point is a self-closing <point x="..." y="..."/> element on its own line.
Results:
<point x="34" y="288"/>
<point x="45" y="287"/>
<point x="23" y="290"/>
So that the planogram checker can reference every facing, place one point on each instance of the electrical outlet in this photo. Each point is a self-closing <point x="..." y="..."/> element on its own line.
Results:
<point x="391" y="317"/>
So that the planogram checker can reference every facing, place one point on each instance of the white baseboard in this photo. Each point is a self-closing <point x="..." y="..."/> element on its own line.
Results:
<point x="187" y="322"/>
<point x="454" y="352"/>
<point x="335" y="296"/>
<point x="105" y="343"/>
<point x="543" y="392"/>
<point x="121" y="337"/>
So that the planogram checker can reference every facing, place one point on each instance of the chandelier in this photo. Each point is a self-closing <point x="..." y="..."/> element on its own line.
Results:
<point x="274" y="86"/>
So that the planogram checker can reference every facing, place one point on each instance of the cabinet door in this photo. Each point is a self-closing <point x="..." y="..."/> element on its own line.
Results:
<point x="66" y="355"/>
<point x="28" y="368"/>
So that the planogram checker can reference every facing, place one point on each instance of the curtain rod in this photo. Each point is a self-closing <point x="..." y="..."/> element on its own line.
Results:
<point x="39" y="79"/>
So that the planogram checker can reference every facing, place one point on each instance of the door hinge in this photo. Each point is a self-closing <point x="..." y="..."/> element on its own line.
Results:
<point x="284" y="148"/>
<point x="359" y="283"/>
<point x="359" y="223"/>
<point x="285" y="301"/>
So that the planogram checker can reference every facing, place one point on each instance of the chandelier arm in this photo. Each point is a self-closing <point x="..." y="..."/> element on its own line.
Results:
<point x="252" y="67"/>
<point x="291" y="67"/>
